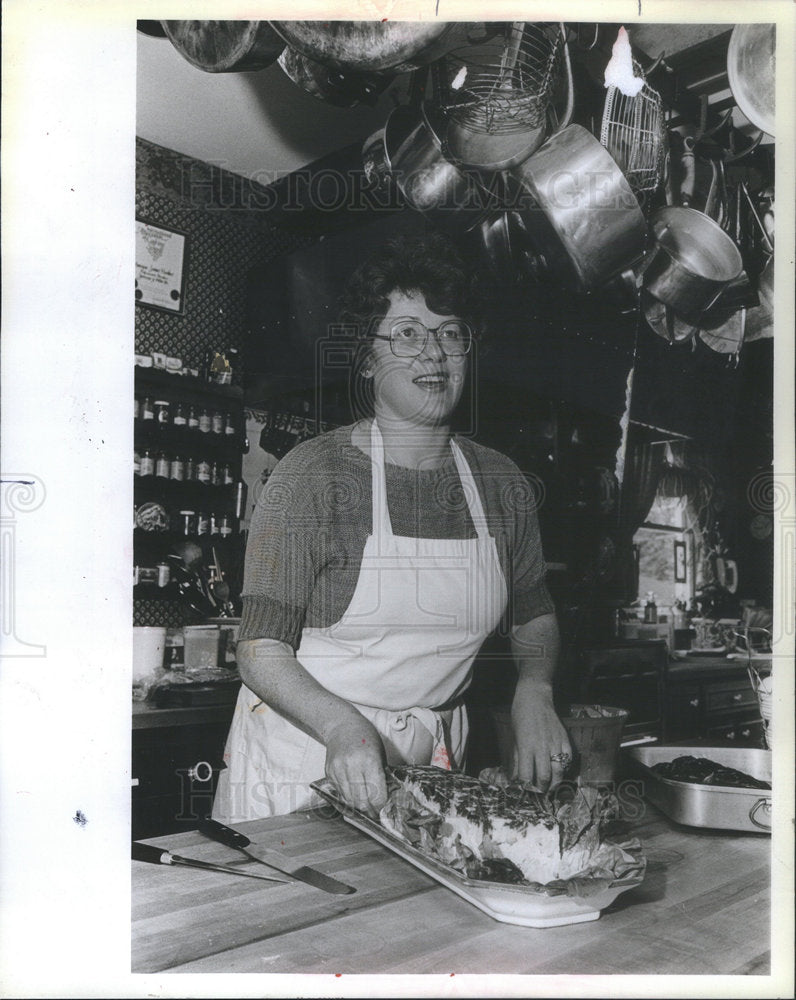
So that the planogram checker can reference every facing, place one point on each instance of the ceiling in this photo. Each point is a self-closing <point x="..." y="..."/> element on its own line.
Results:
<point x="261" y="125"/>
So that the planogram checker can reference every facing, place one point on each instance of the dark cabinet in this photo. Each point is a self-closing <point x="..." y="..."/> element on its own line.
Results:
<point x="175" y="771"/>
<point x="714" y="700"/>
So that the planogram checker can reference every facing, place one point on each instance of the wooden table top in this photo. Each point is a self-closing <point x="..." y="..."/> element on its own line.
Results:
<point x="703" y="908"/>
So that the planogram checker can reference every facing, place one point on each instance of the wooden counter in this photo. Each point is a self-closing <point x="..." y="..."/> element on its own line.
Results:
<point x="703" y="907"/>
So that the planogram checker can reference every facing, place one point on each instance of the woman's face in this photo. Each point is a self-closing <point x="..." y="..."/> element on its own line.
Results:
<point x="423" y="390"/>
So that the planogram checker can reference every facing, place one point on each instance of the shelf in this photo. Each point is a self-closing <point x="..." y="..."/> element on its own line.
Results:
<point x="174" y="494"/>
<point x="182" y="441"/>
<point x="185" y="387"/>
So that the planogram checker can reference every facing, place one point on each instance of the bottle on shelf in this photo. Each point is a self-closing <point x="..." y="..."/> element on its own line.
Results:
<point x="162" y="465"/>
<point x="217" y="422"/>
<point x="147" y="463"/>
<point x="180" y="416"/>
<point x="177" y="468"/>
<point x="650" y="610"/>
<point x="193" y="419"/>
<point x="147" y="409"/>
<point x="204" y="422"/>
<point x="162" y="411"/>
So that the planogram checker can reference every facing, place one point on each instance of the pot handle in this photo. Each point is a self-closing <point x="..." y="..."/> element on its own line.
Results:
<point x="761" y="804"/>
<point x="568" y="111"/>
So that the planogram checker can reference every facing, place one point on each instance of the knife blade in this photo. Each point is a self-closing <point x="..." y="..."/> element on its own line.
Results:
<point x="160" y="856"/>
<point x="273" y="859"/>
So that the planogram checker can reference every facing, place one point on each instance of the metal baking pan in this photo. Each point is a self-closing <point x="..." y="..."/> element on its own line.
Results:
<point x="745" y="809"/>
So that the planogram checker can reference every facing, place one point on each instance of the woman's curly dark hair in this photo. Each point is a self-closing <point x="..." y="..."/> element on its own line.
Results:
<point x="427" y="264"/>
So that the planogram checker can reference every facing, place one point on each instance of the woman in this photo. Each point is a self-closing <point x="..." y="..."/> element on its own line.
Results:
<point x="380" y="557"/>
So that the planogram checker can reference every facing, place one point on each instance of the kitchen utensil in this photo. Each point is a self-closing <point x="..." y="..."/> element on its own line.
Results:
<point x="225" y="46"/>
<point x="371" y="46"/>
<point x="510" y="904"/>
<point x="496" y="98"/>
<point x="714" y="806"/>
<point x="634" y="133"/>
<point x="159" y="856"/>
<point x="691" y="261"/>
<point x="751" y="62"/>
<point x="273" y="859"/>
<point x="342" y="88"/>
<point x="428" y="181"/>
<point x="585" y="207"/>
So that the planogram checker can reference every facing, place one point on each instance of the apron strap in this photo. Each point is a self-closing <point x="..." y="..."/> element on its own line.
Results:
<point x="380" y="513"/>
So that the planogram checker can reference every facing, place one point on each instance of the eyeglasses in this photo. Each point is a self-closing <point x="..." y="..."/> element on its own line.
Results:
<point x="408" y="337"/>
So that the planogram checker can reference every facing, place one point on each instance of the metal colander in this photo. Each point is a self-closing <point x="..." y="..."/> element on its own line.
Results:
<point x="634" y="133"/>
<point x="505" y="82"/>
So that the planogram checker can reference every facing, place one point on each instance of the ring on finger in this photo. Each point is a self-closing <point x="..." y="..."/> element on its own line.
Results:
<point x="561" y="758"/>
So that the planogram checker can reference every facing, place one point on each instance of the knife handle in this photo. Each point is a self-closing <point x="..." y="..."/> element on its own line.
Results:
<point x="146" y="852"/>
<point x="223" y="834"/>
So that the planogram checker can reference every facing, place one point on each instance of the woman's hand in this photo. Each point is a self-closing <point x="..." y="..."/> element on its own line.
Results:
<point x="355" y="763"/>
<point x="538" y="735"/>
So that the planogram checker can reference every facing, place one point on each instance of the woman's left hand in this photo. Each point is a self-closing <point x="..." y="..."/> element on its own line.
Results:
<point x="542" y="750"/>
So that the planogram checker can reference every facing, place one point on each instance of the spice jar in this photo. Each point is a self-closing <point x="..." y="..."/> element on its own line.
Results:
<point x="227" y="478"/>
<point x="203" y="470"/>
<point x="147" y="463"/>
<point x="215" y="474"/>
<point x="177" y="469"/>
<point x="229" y="424"/>
<point x="147" y="409"/>
<point x="190" y="469"/>
<point x="162" y="409"/>
<point x="204" y="422"/>
<point x="162" y="465"/>
<point x="164" y="574"/>
<point x="187" y="523"/>
<point x="217" y="422"/>
<point x="193" y="419"/>
<point x="180" y="416"/>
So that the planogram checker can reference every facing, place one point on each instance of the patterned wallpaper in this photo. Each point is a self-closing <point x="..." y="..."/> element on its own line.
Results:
<point x="228" y="233"/>
<point x="225" y="219"/>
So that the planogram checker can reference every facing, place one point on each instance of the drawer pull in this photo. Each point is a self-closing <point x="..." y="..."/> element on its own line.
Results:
<point x="730" y="736"/>
<point x="694" y="702"/>
<point x="738" y="696"/>
<point x="134" y="782"/>
<point x="194" y="774"/>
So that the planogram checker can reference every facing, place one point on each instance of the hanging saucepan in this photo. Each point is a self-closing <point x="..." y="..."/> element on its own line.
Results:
<point x="691" y="261"/>
<point x="427" y="180"/>
<point x="751" y="72"/>
<point x="724" y="334"/>
<point x="372" y="46"/>
<point x="579" y="209"/>
<point x="344" y="89"/>
<point x="225" y="46"/>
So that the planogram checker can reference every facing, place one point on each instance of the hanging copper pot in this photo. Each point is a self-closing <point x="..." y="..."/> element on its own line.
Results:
<point x="225" y="46"/>
<point x="371" y="46"/>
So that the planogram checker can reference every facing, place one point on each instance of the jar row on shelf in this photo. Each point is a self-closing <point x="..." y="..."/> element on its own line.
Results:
<point x="182" y="468"/>
<point x="163" y="413"/>
<point x="154" y="517"/>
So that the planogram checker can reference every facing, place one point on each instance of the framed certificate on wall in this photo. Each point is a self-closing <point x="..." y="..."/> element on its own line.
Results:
<point x="159" y="266"/>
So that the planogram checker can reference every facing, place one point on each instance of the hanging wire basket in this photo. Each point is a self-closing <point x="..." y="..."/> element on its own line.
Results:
<point x="633" y="131"/>
<point x="504" y="83"/>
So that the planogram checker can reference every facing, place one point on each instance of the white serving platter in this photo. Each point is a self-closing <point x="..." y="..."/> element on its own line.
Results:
<point x="510" y="904"/>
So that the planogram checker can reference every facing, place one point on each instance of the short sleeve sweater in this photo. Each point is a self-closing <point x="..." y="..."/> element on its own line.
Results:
<point x="313" y="517"/>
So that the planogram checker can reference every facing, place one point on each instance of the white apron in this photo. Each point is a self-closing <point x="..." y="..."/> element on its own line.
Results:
<point x="402" y="654"/>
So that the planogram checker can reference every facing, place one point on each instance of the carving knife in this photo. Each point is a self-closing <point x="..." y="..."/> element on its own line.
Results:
<point x="159" y="856"/>
<point x="225" y="835"/>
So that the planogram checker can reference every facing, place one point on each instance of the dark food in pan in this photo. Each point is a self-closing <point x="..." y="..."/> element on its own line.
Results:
<point x="702" y="771"/>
